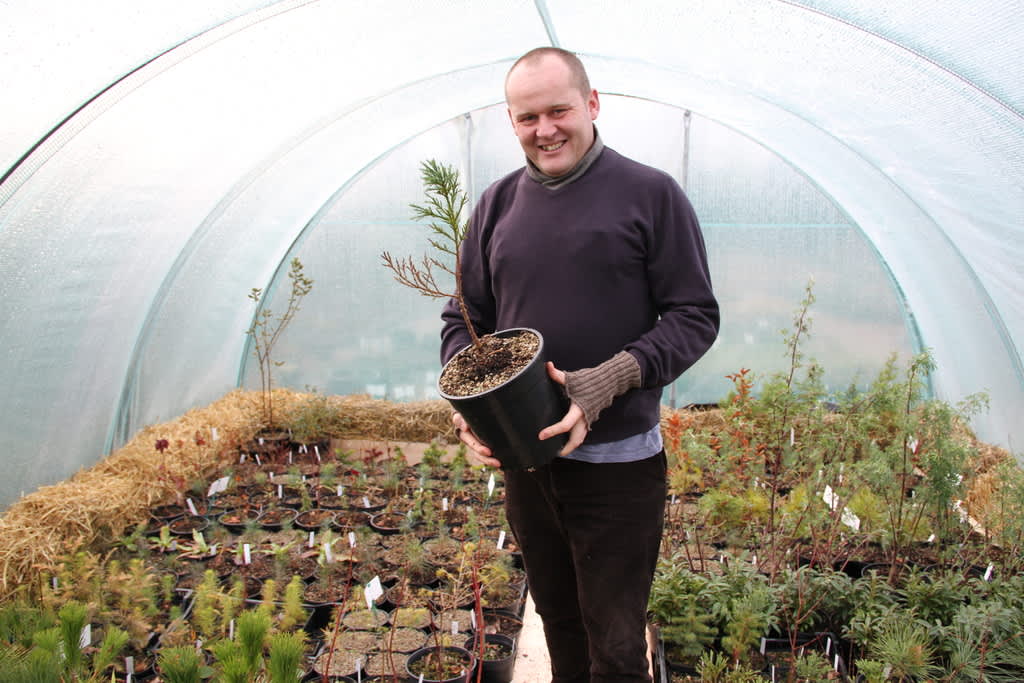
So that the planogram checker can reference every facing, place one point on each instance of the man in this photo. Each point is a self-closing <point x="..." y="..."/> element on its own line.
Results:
<point x="604" y="256"/>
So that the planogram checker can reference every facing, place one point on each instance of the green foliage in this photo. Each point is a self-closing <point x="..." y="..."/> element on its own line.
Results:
<point x="293" y="614"/>
<point x="313" y="418"/>
<point x="715" y="667"/>
<point x="71" y="621"/>
<point x="179" y="665"/>
<point x="907" y="651"/>
<point x="444" y="206"/>
<point x="286" y="651"/>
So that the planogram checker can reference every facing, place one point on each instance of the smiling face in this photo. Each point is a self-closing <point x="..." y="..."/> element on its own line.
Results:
<point x="551" y="116"/>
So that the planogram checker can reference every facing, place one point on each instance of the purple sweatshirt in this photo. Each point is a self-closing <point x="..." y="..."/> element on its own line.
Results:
<point x="612" y="261"/>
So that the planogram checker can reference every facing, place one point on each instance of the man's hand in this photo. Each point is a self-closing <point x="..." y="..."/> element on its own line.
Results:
<point x="574" y="422"/>
<point x="478" y="452"/>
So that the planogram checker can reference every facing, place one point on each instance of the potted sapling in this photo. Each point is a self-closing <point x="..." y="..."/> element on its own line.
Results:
<point x="498" y="382"/>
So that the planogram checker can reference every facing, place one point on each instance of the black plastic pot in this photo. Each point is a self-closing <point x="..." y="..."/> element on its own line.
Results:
<point x="508" y="417"/>
<point x="465" y="655"/>
<point x="495" y="670"/>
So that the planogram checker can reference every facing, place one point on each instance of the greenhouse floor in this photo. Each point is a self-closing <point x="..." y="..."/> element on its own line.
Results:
<point x="532" y="663"/>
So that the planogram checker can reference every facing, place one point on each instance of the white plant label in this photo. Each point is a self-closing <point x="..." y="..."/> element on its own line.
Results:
<point x="988" y="572"/>
<point x="213" y="432"/>
<point x="501" y="539"/>
<point x="931" y="539"/>
<point x="673" y="499"/>
<point x="246" y="554"/>
<point x="851" y="520"/>
<point x="280" y="491"/>
<point x="257" y="457"/>
<point x="328" y="555"/>
<point x="129" y="667"/>
<point x="316" y="450"/>
<point x="490" y="485"/>
<point x="828" y="646"/>
<point x="835" y="662"/>
<point x="366" y="502"/>
<point x="420" y="679"/>
<point x="217" y="486"/>
<point x="764" y="642"/>
<point x="444" y="504"/>
<point x="85" y="637"/>
<point x="192" y="507"/>
<point x="302" y="448"/>
<point x="231" y="630"/>
<point x="351" y="539"/>
<point x="455" y="628"/>
<point x="261" y="441"/>
<point x="54" y="582"/>
<point x="472" y="620"/>
<point x="792" y="436"/>
<point x="290" y="460"/>
<point x="912" y="445"/>
<point x="312" y="539"/>
<point x="341" y="489"/>
<point x="830" y="498"/>
<point x="241" y="458"/>
<point x="372" y="591"/>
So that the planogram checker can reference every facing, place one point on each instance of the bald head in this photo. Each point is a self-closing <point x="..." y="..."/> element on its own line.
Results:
<point x="578" y="75"/>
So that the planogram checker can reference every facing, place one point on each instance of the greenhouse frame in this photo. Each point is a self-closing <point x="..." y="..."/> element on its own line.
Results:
<point x="160" y="160"/>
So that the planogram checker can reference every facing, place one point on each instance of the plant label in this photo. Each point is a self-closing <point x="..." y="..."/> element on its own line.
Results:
<point x="420" y="679"/>
<point x="764" y="643"/>
<point x="351" y="539"/>
<point x="257" y="457"/>
<point x="246" y="554"/>
<point x="988" y="572"/>
<point x="217" y="486"/>
<point x="366" y="502"/>
<point x="316" y="450"/>
<point x="280" y="491"/>
<point x="792" y="437"/>
<point x="851" y="520"/>
<point x="129" y="667"/>
<point x="472" y="620"/>
<point x="231" y="630"/>
<point x="54" y="582"/>
<point x="372" y="591"/>
<point x="261" y="441"/>
<point x="290" y="459"/>
<point x="830" y="498"/>
<point x="213" y="433"/>
<point x="490" y="485"/>
<point x="501" y="539"/>
<point x="455" y="628"/>
<point x="312" y="539"/>
<point x="192" y="507"/>
<point x="341" y="490"/>
<point x="444" y="504"/>
<point x="241" y="458"/>
<point x="85" y="637"/>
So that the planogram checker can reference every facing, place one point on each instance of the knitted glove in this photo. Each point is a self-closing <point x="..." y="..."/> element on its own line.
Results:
<point x="594" y="389"/>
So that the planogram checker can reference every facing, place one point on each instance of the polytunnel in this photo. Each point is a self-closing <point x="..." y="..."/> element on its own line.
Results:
<point x="159" y="160"/>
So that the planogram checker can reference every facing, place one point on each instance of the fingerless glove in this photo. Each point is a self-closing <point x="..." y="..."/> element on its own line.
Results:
<point x="594" y="389"/>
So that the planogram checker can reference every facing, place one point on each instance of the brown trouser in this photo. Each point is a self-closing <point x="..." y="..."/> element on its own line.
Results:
<point x="590" y="535"/>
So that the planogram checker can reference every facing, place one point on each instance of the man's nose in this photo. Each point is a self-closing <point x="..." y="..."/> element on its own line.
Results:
<point x="545" y="127"/>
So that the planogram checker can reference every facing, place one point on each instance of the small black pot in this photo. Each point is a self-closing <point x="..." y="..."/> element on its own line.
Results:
<point x="495" y="670"/>
<point x="465" y="677"/>
<point x="508" y="417"/>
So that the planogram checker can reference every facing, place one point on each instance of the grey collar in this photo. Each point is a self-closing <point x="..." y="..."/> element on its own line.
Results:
<point x="555" y="182"/>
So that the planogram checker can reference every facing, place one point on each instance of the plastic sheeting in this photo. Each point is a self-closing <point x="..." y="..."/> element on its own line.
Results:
<point x="158" y="162"/>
